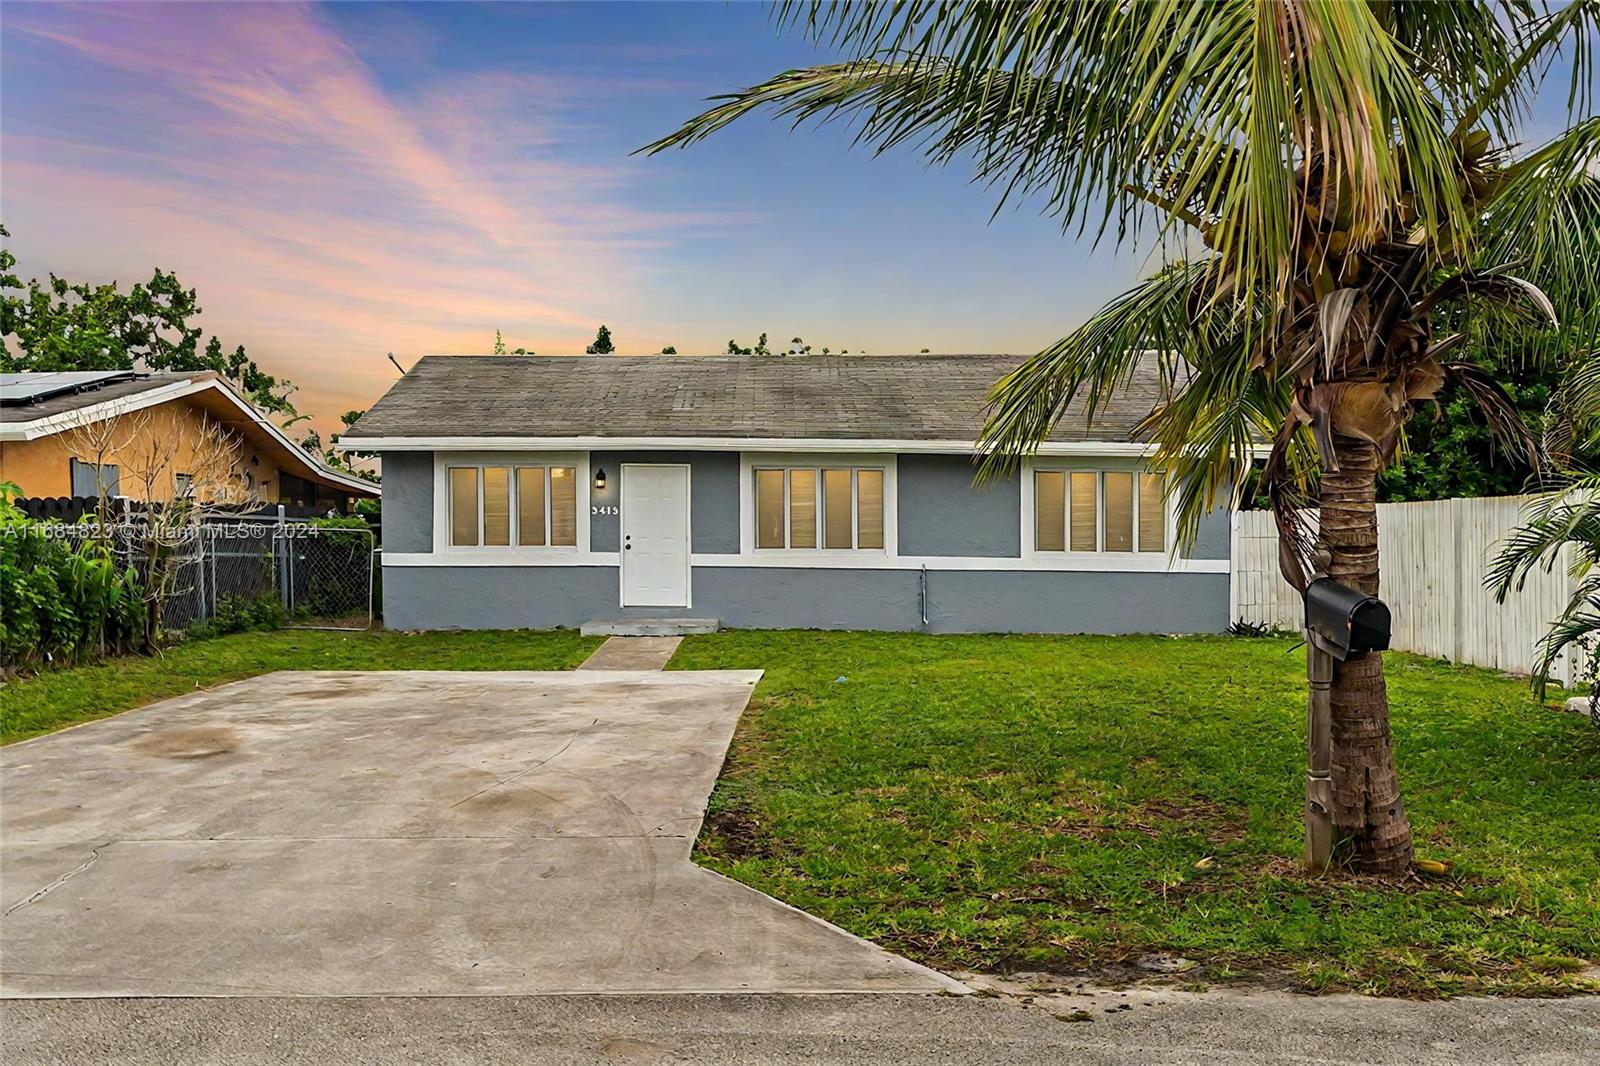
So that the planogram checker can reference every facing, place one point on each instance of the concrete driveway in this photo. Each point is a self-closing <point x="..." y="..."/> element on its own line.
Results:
<point x="421" y="833"/>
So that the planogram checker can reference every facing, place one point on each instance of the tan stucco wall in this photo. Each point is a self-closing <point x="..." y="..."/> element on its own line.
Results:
<point x="43" y="467"/>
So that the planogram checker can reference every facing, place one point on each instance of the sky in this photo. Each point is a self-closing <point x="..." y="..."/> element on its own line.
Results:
<point x="343" y="181"/>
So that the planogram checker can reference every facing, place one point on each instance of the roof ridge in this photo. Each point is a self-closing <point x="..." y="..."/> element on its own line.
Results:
<point x="725" y="357"/>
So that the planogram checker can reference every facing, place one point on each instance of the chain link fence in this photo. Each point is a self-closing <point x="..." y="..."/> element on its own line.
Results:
<point x="328" y="576"/>
<point x="322" y="578"/>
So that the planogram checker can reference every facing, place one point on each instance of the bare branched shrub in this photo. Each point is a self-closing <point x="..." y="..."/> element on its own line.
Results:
<point x="182" y="474"/>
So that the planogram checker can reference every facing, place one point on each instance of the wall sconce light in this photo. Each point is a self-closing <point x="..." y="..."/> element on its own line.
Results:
<point x="600" y="478"/>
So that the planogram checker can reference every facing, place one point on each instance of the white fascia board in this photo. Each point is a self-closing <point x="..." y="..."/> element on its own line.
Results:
<point x="50" y="425"/>
<point x="733" y="444"/>
<point x="309" y="462"/>
<point x="123" y="405"/>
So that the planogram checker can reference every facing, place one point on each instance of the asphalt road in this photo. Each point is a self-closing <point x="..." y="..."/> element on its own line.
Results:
<point x="1107" y="1027"/>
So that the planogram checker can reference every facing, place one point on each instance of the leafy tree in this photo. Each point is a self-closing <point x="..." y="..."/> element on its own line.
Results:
<point x="60" y="325"/>
<point x="1566" y="520"/>
<point x="759" y="348"/>
<point x="500" y="347"/>
<point x="668" y="349"/>
<point x="1343" y="176"/>
<point x="342" y="459"/>
<point x="602" y="343"/>
<point x="1451" y="449"/>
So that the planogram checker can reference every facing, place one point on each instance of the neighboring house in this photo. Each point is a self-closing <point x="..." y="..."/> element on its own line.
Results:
<point x="43" y="418"/>
<point x="813" y="492"/>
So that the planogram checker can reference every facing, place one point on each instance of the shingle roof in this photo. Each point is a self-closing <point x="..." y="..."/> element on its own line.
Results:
<point x="910" y="397"/>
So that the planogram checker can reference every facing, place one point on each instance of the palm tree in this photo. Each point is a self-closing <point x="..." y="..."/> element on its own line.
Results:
<point x="1342" y="179"/>
<point x="1563" y="526"/>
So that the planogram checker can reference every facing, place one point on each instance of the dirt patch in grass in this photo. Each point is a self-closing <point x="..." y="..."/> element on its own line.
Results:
<point x="734" y="835"/>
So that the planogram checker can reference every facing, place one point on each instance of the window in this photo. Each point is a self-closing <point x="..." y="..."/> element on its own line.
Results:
<point x="498" y="506"/>
<point x="1152" y="513"/>
<point x="1050" y="510"/>
<point x="1118" y="534"/>
<point x="89" y="479"/>
<point x="836" y="508"/>
<point x="1085" y="510"/>
<point x="463" y="505"/>
<point x="1099" y="511"/>
<point x="802" y="509"/>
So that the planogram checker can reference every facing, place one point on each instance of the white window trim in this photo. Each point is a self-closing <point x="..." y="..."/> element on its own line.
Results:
<point x="888" y="558"/>
<point x="1165" y="560"/>
<point x="512" y="554"/>
<point x="750" y="462"/>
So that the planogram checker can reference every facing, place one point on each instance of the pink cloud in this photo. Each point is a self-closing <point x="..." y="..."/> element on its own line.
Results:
<point x="323" y="220"/>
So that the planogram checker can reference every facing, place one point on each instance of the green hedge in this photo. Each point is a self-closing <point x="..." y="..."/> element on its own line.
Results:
<point x="62" y="599"/>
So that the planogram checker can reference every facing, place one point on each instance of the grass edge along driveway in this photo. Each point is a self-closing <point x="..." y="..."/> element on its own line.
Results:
<point x="1071" y="804"/>
<point x="56" y="699"/>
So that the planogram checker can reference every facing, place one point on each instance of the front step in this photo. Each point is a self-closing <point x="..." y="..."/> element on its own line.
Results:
<point x="649" y="627"/>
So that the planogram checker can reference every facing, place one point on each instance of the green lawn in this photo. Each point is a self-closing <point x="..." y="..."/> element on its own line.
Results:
<point x="1069" y="804"/>
<point x="59" y="698"/>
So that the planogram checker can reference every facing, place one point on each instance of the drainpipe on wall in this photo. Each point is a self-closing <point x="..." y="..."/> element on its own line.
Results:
<point x="924" y="597"/>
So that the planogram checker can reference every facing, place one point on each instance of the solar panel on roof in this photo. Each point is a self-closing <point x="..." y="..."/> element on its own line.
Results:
<point x="33" y="387"/>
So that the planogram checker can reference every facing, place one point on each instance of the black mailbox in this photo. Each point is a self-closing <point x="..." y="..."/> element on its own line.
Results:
<point x="1346" y="621"/>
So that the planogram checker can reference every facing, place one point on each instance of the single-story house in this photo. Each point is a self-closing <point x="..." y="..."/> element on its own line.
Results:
<point x="825" y="492"/>
<point x="47" y="421"/>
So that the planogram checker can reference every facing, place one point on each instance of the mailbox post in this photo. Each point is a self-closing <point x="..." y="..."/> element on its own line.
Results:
<point x="1340" y="622"/>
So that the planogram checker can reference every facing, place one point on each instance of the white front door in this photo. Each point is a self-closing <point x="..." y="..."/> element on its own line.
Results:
<point x="655" y="536"/>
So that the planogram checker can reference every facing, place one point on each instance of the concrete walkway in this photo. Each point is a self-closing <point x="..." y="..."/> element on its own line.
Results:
<point x="407" y="833"/>
<point x="1104" y="1029"/>
<point x="632" y="653"/>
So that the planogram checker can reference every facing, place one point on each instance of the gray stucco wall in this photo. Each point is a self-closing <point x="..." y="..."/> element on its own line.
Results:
<point x="781" y="598"/>
<point x="495" y="597"/>
<point x="713" y="499"/>
<point x="942" y="513"/>
<point x="408" y="501"/>
<point x="1214" y="538"/>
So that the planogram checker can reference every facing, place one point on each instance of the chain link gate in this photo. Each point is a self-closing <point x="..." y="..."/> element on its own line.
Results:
<point x="325" y="576"/>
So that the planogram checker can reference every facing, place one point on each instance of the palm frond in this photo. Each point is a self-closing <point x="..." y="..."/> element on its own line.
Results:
<point x="1572" y="418"/>
<point x="1499" y="411"/>
<point x="1207" y="434"/>
<point x="1575" y="627"/>
<point x="1462" y="48"/>
<point x="1507" y="77"/>
<point x="1555" y="520"/>
<point x="1093" y="360"/>
<point x="1545" y="217"/>
<point x="1209" y="107"/>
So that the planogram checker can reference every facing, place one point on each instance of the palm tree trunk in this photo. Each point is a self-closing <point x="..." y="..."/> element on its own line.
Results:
<point x="1373" y="833"/>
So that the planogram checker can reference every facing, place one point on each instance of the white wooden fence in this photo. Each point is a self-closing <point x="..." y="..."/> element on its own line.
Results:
<point x="1433" y="558"/>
